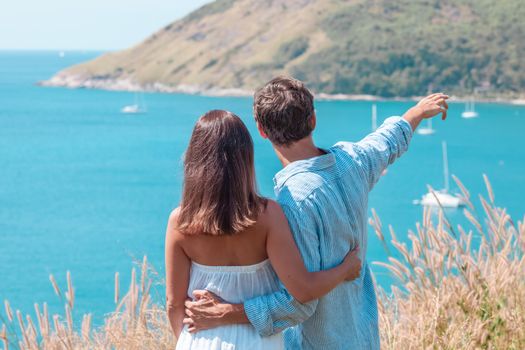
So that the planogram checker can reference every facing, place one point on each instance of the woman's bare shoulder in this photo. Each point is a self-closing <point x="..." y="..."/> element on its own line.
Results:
<point x="172" y="233"/>
<point x="174" y="216"/>
<point x="272" y="207"/>
<point x="272" y="213"/>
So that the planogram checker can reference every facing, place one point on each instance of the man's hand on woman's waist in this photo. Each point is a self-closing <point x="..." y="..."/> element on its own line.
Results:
<point x="209" y="311"/>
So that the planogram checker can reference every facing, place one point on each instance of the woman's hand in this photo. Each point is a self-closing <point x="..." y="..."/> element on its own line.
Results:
<point x="352" y="264"/>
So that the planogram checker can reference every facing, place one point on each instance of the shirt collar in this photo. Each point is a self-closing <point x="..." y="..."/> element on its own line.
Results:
<point x="305" y="165"/>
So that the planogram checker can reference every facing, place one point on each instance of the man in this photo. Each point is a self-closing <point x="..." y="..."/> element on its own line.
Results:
<point x="324" y="194"/>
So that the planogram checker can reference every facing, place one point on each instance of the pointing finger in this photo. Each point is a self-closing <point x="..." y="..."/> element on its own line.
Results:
<point x="442" y="103"/>
<point x="439" y="97"/>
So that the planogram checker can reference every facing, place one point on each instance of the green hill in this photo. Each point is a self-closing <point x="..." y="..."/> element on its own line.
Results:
<point x="379" y="47"/>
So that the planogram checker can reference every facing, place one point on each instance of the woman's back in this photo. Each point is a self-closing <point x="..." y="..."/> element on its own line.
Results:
<point x="244" y="248"/>
<point x="234" y="267"/>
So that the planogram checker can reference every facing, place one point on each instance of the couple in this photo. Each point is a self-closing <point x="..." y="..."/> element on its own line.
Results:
<point x="285" y="274"/>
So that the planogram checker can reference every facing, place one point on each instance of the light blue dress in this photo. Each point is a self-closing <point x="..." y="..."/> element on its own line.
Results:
<point x="234" y="284"/>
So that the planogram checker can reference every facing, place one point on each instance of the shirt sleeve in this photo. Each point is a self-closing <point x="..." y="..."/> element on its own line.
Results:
<point x="272" y="313"/>
<point x="382" y="147"/>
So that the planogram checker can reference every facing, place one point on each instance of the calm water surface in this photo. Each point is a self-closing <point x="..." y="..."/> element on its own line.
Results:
<point x="87" y="189"/>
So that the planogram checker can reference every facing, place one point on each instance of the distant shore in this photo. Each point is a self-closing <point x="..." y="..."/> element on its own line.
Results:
<point x="77" y="82"/>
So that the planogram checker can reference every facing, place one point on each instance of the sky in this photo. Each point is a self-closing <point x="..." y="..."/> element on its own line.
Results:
<point x="85" y="24"/>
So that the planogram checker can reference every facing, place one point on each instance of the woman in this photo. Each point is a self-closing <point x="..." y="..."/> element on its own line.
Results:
<point x="227" y="239"/>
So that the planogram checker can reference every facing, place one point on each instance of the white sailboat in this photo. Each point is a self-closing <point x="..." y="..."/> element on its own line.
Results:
<point x="469" y="111"/>
<point x="442" y="198"/>
<point x="138" y="107"/>
<point x="374" y="117"/>
<point x="428" y="130"/>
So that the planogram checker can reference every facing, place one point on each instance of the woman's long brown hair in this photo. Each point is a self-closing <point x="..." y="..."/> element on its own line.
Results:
<point x="219" y="195"/>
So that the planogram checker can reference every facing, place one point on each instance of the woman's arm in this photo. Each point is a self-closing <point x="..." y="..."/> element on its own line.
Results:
<point x="177" y="275"/>
<point x="289" y="266"/>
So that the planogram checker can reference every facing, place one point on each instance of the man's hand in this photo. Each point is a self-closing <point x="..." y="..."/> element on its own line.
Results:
<point x="352" y="264"/>
<point x="210" y="311"/>
<point x="428" y="107"/>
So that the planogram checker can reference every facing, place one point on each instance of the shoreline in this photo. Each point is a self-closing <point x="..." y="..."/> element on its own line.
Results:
<point x="78" y="82"/>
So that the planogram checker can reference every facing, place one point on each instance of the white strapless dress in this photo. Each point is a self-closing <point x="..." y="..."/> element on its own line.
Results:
<point x="234" y="284"/>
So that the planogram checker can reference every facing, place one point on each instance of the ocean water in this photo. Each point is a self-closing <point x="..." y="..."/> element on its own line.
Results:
<point x="87" y="189"/>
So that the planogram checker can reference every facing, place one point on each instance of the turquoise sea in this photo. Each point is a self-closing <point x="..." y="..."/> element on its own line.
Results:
<point x="87" y="189"/>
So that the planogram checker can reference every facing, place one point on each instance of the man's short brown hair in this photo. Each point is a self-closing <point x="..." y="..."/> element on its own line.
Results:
<point x="284" y="108"/>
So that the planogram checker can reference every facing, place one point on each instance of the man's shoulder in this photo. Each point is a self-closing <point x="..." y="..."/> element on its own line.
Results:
<point x="350" y="157"/>
<point x="301" y="187"/>
<point x="344" y="150"/>
<point x="298" y="190"/>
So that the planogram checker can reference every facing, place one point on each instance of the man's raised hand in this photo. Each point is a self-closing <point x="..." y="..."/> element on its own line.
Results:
<point x="432" y="105"/>
<point x="428" y="107"/>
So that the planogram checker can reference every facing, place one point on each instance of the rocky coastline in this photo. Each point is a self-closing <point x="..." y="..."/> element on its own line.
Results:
<point x="111" y="84"/>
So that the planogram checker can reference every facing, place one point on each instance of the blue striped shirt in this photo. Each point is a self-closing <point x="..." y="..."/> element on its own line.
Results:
<point x="325" y="199"/>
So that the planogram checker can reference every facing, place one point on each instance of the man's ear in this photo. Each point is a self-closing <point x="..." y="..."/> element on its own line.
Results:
<point x="260" y="129"/>
<point x="313" y="121"/>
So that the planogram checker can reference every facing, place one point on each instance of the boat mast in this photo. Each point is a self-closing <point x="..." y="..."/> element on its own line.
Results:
<point x="141" y="103"/>
<point x="374" y="117"/>
<point x="445" y="165"/>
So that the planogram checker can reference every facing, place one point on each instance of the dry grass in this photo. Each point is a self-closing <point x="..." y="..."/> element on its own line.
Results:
<point x="136" y="323"/>
<point x="458" y="289"/>
<point x="454" y="293"/>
